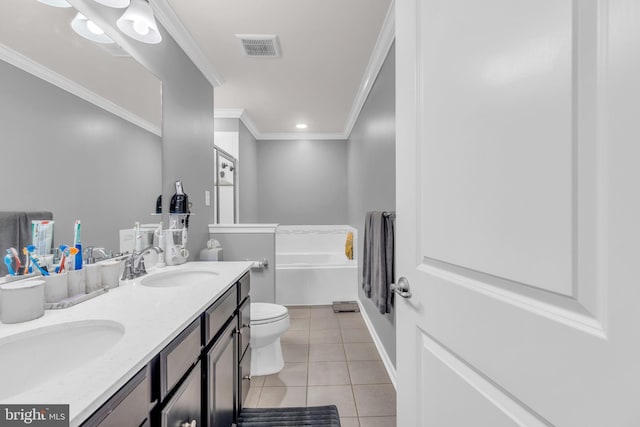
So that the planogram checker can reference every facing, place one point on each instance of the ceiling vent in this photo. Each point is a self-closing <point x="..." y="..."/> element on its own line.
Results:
<point x="260" y="45"/>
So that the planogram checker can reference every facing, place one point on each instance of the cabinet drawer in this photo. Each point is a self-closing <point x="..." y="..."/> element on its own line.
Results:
<point x="179" y="356"/>
<point x="244" y="377"/>
<point x="129" y="407"/>
<point x="186" y="405"/>
<point x="244" y="325"/>
<point x="244" y="286"/>
<point x="217" y="315"/>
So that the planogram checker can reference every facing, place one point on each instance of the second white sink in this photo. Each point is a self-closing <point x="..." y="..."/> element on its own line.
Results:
<point x="178" y="278"/>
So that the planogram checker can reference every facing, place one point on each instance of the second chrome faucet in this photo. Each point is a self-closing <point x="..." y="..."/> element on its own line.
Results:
<point x="134" y="265"/>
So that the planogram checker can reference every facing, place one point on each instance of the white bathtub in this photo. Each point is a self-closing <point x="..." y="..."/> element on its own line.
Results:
<point x="311" y="266"/>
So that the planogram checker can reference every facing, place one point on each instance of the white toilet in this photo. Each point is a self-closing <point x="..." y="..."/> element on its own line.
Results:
<point x="268" y="323"/>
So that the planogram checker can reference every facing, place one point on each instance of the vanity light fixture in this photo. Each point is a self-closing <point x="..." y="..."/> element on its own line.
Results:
<point x="139" y="23"/>
<point x="89" y="30"/>
<point x="118" y="4"/>
<point x="56" y="3"/>
<point x="301" y="126"/>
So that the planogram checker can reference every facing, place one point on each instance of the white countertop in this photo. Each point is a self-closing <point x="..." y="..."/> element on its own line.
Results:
<point x="151" y="316"/>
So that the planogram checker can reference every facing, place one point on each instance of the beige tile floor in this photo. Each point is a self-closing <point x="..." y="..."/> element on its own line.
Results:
<point x="329" y="359"/>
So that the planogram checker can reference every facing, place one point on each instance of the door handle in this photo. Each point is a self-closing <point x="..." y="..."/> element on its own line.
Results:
<point x="402" y="288"/>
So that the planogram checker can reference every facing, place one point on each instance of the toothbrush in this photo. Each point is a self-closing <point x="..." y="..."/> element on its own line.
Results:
<point x="67" y="253"/>
<point x="27" y="266"/>
<point x="16" y="258"/>
<point x="34" y="260"/>
<point x="64" y="250"/>
<point x="77" y="260"/>
<point x="9" y="262"/>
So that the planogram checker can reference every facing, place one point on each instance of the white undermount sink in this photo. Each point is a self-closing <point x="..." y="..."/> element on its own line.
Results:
<point x="34" y="357"/>
<point x="178" y="278"/>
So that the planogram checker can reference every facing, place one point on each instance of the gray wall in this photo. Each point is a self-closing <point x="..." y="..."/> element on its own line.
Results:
<point x="247" y="176"/>
<point x="371" y="177"/>
<point x="254" y="247"/>
<point x="302" y="182"/>
<point x="226" y="125"/>
<point x="63" y="154"/>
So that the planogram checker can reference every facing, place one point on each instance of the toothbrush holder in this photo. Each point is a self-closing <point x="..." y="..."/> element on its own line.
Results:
<point x="77" y="282"/>
<point x="93" y="276"/>
<point x="56" y="287"/>
<point x="110" y="272"/>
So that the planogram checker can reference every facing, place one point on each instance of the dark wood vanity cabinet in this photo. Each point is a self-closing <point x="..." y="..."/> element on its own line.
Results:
<point x="199" y="379"/>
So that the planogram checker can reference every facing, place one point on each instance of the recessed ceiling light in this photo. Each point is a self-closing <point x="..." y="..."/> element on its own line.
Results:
<point x="301" y="126"/>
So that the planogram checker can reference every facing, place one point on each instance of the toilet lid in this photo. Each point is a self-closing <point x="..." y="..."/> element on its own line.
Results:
<point x="263" y="312"/>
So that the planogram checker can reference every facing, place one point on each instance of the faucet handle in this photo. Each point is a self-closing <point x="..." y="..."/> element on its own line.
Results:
<point x="128" y="272"/>
<point x="141" y="267"/>
<point x="89" y="259"/>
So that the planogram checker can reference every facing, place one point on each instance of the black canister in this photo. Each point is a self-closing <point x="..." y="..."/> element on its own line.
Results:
<point x="179" y="201"/>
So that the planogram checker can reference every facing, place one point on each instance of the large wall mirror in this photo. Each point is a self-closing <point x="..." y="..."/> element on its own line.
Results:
<point x="79" y="126"/>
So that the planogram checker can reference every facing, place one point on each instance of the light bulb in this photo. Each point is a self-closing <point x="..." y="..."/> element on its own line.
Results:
<point x="301" y="126"/>
<point x="141" y="28"/>
<point x="91" y="26"/>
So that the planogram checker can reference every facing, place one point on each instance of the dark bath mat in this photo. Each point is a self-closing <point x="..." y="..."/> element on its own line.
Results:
<point x="317" y="416"/>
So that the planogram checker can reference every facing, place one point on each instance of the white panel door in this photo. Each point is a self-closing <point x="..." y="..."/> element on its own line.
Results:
<point x="518" y="212"/>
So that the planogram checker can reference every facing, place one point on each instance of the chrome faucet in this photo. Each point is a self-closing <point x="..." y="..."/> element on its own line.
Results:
<point x="134" y="264"/>
<point x="90" y="252"/>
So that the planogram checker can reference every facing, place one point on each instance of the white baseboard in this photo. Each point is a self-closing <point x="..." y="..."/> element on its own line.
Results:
<point x="391" y="370"/>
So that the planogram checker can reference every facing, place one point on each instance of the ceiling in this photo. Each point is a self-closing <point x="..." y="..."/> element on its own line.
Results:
<point x="331" y="52"/>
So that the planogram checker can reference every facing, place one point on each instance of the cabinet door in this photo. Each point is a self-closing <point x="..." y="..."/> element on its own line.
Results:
<point x="222" y="378"/>
<point x="244" y="378"/>
<point x="185" y="406"/>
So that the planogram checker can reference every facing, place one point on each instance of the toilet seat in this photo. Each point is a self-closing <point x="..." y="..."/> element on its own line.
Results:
<point x="264" y="313"/>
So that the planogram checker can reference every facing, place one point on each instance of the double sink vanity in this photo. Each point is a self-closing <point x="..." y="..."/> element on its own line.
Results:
<point x="170" y="348"/>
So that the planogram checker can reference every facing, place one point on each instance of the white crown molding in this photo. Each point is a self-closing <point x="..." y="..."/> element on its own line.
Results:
<point x="237" y="113"/>
<point x="383" y="44"/>
<point x="301" y="136"/>
<point x="170" y="21"/>
<point x="28" y="65"/>
<point x="241" y="114"/>
<point x="228" y="113"/>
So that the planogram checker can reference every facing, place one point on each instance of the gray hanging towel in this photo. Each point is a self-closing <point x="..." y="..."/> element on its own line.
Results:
<point x="378" y="260"/>
<point x="15" y="231"/>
